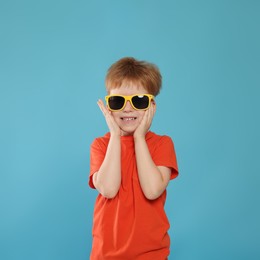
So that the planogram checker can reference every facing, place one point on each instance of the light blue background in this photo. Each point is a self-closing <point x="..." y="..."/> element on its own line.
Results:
<point x="53" y="60"/>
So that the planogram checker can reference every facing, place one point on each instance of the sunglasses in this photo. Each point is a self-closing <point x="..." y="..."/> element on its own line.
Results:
<point x="138" y="101"/>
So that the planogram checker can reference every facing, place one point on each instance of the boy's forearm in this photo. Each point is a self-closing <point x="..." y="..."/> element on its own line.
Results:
<point x="108" y="179"/>
<point x="150" y="177"/>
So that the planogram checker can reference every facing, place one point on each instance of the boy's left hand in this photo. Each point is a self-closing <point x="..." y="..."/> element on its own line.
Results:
<point x="146" y="122"/>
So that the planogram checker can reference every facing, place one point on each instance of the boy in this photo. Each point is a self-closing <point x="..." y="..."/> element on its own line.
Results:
<point x="131" y="167"/>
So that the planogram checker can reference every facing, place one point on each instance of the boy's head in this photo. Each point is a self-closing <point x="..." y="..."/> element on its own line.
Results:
<point x="131" y="72"/>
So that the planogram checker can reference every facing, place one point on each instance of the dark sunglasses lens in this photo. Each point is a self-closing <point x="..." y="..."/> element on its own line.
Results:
<point x="116" y="102"/>
<point x="140" y="102"/>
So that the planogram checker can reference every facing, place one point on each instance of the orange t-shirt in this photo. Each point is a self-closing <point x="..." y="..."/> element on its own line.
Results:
<point x="129" y="226"/>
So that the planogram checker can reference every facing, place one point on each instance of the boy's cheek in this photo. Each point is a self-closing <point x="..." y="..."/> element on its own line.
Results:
<point x="113" y="113"/>
<point x="115" y="117"/>
<point x="141" y="117"/>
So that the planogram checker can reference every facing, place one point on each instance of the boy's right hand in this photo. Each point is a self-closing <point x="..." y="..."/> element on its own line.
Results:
<point x="112" y="125"/>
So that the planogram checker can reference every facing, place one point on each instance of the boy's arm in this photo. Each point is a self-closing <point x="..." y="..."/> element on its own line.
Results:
<point x="108" y="178"/>
<point x="153" y="179"/>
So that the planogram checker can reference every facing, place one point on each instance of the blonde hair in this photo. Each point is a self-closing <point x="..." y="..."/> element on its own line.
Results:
<point x="131" y="71"/>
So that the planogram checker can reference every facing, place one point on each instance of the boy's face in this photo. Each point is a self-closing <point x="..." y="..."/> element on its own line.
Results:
<point x="129" y="118"/>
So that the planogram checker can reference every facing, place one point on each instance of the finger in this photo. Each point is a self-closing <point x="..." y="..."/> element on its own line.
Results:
<point x="145" y="117"/>
<point x="101" y="104"/>
<point x="151" y="113"/>
<point x="103" y="108"/>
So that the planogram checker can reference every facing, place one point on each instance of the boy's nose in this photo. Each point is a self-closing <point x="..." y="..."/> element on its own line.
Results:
<point x="128" y="106"/>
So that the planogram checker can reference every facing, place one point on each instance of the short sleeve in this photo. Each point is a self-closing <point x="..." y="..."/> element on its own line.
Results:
<point x="164" y="155"/>
<point x="97" y="155"/>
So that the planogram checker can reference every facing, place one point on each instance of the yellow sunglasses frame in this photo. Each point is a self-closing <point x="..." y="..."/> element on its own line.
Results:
<point x="129" y="98"/>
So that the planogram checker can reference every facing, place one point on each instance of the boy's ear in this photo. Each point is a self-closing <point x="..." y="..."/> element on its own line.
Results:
<point x="153" y="104"/>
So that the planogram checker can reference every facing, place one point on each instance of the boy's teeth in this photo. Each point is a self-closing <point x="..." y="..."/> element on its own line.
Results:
<point x="129" y="118"/>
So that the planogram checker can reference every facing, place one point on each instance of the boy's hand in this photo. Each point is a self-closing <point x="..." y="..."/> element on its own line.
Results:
<point x="112" y="125"/>
<point x="146" y="122"/>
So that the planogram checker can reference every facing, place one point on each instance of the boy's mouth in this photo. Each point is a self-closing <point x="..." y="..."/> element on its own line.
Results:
<point x="128" y="118"/>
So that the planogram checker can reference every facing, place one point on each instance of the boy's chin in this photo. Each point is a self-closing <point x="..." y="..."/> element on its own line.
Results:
<point x="125" y="132"/>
